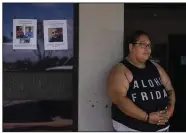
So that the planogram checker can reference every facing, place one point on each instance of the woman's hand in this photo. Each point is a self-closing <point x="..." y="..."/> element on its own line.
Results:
<point x="158" y="118"/>
<point x="166" y="113"/>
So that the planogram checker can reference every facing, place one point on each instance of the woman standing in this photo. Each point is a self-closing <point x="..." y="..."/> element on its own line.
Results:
<point x="141" y="91"/>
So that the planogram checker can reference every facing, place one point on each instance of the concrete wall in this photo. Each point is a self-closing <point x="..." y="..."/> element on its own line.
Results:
<point x="100" y="47"/>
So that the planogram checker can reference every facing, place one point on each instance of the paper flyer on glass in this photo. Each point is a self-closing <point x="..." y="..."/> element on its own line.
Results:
<point x="24" y="34"/>
<point x="55" y="35"/>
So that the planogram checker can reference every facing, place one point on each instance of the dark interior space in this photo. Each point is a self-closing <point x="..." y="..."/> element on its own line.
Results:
<point x="166" y="25"/>
<point x="155" y="5"/>
<point x="178" y="74"/>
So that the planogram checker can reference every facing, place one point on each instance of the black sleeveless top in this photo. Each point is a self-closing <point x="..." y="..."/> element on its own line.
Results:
<point x="147" y="92"/>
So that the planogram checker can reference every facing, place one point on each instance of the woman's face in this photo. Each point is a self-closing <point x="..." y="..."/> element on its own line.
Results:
<point x="141" y="48"/>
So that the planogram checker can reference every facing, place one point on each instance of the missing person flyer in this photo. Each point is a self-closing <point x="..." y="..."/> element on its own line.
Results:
<point x="55" y="35"/>
<point x="24" y="34"/>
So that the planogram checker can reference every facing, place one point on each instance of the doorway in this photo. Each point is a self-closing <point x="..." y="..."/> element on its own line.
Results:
<point x="165" y="23"/>
<point x="177" y="71"/>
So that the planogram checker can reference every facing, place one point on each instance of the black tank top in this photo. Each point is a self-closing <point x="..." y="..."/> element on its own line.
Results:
<point x="147" y="92"/>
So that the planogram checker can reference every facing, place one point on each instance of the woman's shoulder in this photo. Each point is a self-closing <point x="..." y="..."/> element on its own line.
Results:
<point x="121" y="68"/>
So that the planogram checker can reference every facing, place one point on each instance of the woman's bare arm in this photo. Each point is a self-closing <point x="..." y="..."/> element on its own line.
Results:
<point x="118" y="84"/>
<point x="167" y="84"/>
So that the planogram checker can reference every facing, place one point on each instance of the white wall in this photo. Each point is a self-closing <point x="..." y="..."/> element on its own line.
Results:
<point x="100" y="47"/>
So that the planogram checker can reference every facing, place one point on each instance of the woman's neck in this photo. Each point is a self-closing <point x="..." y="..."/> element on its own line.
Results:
<point x="132" y="59"/>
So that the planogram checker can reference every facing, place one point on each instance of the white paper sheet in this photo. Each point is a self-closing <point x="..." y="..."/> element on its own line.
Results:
<point x="24" y="34"/>
<point x="55" y="35"/>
